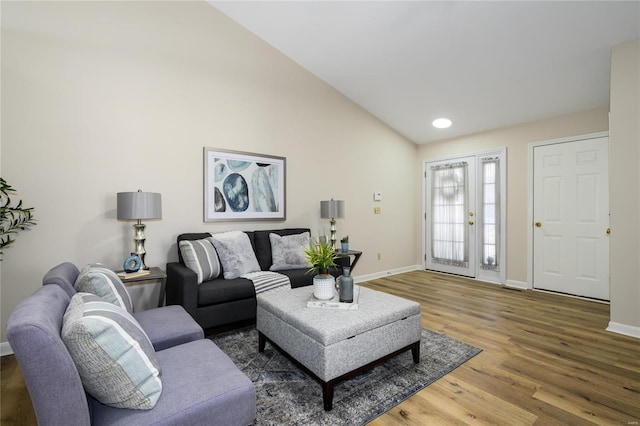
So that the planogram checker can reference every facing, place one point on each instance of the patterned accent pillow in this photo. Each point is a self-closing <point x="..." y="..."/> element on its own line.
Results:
<point x="288" y="252"/>
<point x="105" y="283"/>
<point x="235" y="253"/>
<point x="200" y="256"/>
<point x="114" y="357"/>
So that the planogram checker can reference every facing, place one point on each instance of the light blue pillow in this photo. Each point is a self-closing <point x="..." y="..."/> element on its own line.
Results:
<point x="105" y="283"/>
<point x="114" y="356"/>
<point x="200" y="256"/>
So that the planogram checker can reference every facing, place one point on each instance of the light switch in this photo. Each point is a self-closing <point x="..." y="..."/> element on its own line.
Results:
<point x="377" y="196"/>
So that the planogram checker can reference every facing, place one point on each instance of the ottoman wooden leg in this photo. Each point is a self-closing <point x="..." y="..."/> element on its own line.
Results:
<point x="327" y="395"/>
<point x="415" y="351"/>
<point x="262" y="340"/>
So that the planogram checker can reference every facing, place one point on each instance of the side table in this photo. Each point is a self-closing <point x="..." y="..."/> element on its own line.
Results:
<point x="155" y="274"/>
<point x="344" y="258"/>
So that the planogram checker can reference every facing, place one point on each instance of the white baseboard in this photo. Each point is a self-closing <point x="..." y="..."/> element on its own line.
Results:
<point x="520" y="285"/>
<point x="5" y="349"/>
<point x="382" y="274"/>
<point x="627" y="330"/>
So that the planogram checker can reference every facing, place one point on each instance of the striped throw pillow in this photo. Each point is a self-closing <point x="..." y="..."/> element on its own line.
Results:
<point x="113" y="355"/>
<point x="201" y="257"/>
<point x="105" y="283"/>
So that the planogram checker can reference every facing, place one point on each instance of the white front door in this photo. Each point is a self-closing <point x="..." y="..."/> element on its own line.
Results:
<point x="571" y="218"/>
<point x="450" y="216"/>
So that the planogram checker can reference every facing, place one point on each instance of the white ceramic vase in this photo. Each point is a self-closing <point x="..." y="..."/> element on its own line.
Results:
<point x="323" y="287"/>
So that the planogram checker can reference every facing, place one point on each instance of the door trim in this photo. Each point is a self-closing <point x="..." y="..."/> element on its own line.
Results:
<point x="530" y="219"/>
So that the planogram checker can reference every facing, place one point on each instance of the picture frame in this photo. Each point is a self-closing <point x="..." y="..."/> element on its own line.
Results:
<point x="241" y="186"/>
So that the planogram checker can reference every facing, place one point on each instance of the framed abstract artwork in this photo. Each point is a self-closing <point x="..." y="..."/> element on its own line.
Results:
<point x="243" y="186"/>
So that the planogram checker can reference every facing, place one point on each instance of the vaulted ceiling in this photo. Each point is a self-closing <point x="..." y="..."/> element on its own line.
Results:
<point x="483" y="64"/>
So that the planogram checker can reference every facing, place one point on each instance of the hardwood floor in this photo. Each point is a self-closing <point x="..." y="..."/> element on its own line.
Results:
<point x="546" y="360"/>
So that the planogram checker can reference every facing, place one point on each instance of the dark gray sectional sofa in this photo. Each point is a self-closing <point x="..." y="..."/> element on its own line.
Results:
<point x="220" y="301"/>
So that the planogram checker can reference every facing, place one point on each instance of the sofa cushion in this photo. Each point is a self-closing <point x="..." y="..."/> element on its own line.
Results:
<point x="299" y="277"/>
<point x="202" y="386"/>
<point x="113" y="355"/>
<point x="200" y="256"/>
<point x="222" y="291"/>
<point x="105" y="283"/>
<point x="169" y="326"/>
<point x="287" y="252"/>
<point x="235" y="253"/>
<point x="262" y="244"/>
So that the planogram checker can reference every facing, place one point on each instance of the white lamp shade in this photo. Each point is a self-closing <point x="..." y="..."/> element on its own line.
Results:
<point x="139" y="205"/>
<point x="332" y="209"/>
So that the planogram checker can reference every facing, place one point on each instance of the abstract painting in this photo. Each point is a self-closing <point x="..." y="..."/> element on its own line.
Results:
<point x="243" y="186"/>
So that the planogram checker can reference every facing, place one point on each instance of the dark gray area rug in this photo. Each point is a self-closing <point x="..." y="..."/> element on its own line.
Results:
<point x="286" y="395"/>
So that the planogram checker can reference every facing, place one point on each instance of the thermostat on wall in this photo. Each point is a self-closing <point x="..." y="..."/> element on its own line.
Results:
<point x="377" y="196"/>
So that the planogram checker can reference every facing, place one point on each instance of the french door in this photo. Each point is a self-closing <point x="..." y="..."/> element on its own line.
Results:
<point x="464" y="208"/>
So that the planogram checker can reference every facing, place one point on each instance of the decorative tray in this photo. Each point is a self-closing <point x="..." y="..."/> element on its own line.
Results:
<point x="334" y="303"/>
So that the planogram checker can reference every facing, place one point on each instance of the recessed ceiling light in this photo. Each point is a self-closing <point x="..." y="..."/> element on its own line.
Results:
<point x="441" y="123"/>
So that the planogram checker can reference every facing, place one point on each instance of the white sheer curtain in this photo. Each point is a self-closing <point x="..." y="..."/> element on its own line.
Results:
<point x="449" y="242"/>
<point x="490" y="204"/>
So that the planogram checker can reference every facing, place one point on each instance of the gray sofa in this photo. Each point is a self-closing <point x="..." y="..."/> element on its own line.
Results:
<point x="200" y="384"/>
<point x="220" y="302"/>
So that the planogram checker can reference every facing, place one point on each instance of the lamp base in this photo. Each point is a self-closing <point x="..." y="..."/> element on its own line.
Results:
<point x="139" y="239"/>
<point x="333" y="234"/>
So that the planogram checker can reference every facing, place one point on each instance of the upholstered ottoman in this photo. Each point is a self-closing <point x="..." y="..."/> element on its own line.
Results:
<point x="335" y="344"/>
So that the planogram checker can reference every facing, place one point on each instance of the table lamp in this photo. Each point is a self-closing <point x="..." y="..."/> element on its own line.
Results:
<point x="332" y="209"/>
<point x="137" y="206"/>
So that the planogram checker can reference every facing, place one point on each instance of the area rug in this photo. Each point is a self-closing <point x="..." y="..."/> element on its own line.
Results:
<point x="286" y="395"/>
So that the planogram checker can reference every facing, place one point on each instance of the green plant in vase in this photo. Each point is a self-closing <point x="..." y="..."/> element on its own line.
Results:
<point x="321" y="256"/>
<point x="345" y="243"/>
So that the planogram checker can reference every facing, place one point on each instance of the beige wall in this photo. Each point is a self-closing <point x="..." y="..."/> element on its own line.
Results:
<point x="103" y="97"/>
<point x="516" y="139"/>
<point x="624" y="135"/>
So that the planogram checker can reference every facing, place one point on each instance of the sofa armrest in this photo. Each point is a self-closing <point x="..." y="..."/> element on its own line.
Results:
<point x="182" y="287"/>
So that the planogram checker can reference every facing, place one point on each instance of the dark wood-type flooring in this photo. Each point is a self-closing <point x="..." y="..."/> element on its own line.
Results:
<point x="546" y="360"/>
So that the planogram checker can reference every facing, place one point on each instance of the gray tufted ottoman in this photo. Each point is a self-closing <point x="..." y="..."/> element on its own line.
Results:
<point x="334" y="344"/>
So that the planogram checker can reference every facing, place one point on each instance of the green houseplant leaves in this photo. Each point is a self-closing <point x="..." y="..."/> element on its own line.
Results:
<point x="13" y="218"/>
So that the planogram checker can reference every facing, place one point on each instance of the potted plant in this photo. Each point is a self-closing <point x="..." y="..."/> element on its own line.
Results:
<point x="321" y="256"/>
<point x="13" y="218"/>
<point x="345" y="243"/>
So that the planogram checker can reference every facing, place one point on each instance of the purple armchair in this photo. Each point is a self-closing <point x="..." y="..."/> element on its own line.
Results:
<point x="201" y="385"/>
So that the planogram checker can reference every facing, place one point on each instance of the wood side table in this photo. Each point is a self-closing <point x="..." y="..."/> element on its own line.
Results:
<point x="155" y="274"/>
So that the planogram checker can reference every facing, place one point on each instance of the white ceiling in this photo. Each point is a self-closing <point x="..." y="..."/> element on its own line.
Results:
<point x="483" y="64"/>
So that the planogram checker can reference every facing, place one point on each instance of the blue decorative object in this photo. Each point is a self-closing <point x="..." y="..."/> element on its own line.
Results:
<point x="236" y="192"/>
<point x="132" y="264"/>
<point x="346" y="286"/>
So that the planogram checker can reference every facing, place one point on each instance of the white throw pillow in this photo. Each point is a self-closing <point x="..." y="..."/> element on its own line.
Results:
<point x="287" y="252"/>
<point x="235" y="253"/>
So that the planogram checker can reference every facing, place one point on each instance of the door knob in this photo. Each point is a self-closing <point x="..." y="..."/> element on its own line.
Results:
<point x="471" y="222"/>
<point x="538" y="224"/>
<point x="608" y="231"/>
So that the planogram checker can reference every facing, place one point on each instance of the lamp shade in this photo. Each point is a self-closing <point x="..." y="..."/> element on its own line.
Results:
<point x="139" y="205"/>
<point x="332" y="209"/>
